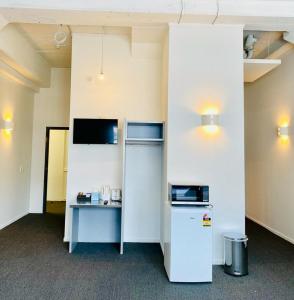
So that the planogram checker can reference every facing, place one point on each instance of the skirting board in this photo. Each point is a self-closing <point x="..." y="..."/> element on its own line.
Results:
<point x="13" y="220"/>
<point x="276" y="232"/>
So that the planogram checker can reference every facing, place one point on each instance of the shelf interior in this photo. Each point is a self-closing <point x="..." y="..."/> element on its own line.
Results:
<point x="144" y="131"/>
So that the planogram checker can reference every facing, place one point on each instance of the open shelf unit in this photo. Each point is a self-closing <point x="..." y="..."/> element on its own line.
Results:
<point x="106" y="214"/>
<point x="256" y="68"/>
<point x="143" y="132"/>
<point x="142" y="180"/>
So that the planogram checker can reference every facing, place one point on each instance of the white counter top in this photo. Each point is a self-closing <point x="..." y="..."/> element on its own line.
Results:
<point x="98" y="204"/>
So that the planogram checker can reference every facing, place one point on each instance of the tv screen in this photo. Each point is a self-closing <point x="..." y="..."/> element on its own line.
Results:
<point x="95" y="131"/>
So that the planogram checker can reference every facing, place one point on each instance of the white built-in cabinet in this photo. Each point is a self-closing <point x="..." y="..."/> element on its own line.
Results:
<point x="142" y="181"/>
<point x="138" y="219"/>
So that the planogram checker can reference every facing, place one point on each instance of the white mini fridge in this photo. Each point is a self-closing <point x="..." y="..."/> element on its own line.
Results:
<point x="188" y="245"/>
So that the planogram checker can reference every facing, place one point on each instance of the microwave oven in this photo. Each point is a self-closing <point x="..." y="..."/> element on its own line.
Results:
<point x="184" y="194"/>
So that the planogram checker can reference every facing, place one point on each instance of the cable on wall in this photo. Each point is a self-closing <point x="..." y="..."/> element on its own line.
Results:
<point x="69" y="30"/>
<point x="181" y="12"/>
<point x="217" y="12"/>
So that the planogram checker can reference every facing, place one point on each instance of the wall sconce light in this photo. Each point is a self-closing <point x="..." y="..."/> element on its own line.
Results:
<point x="210" y="122"/>
<point x="283" y="132"/>
<point x="7" y="125"/>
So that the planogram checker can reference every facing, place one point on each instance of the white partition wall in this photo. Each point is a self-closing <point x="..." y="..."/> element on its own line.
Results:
<point x="205" y="72"/>
<point x="131" y="89"/>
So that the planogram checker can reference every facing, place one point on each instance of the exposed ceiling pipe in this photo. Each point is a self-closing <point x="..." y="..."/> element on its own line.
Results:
<point x="289" y="36"/>
<point x="249" y="46"/>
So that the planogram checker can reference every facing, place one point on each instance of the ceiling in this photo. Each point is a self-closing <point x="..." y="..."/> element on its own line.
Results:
<point x="274" y="15"/>
<point x="41" y="37"/>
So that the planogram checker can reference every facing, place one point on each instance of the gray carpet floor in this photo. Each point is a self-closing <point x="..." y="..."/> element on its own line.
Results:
<point x="35" y="264"/>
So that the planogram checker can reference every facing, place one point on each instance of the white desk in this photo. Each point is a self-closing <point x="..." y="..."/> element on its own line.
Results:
<point x="104" y="210"/>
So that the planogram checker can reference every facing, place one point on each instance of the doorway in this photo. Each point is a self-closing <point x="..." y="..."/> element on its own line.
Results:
<point x="55" y="175"/>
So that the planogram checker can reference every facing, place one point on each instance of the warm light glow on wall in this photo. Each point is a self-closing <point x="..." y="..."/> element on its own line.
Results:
<point x="210" y="111"/>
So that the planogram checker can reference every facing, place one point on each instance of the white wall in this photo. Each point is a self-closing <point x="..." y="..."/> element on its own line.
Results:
<point x="57" y="166"/>
<point x="51" y="109"/>
<point x="205" y="71"/>
<point x="131" y="89"/>
<point x="270" y="161"/>
<point x="15" y="151"/>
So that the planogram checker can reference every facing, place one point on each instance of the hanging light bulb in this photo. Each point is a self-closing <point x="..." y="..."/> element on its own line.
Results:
<point x="101" y="74"/>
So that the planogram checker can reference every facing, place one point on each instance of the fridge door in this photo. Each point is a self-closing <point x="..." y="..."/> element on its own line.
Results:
<point x="191" y="244"/>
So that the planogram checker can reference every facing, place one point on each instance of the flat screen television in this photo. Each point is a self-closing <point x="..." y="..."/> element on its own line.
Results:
<point x="95" y="131"/>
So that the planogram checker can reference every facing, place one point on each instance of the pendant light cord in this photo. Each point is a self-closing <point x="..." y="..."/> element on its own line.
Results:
<point x="181" y="12"/>
<point x="102" y="51"/>
<point x="217" y="12"/>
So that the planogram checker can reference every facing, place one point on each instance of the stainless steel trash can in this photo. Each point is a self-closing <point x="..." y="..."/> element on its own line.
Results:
<point x="236" y="254"/>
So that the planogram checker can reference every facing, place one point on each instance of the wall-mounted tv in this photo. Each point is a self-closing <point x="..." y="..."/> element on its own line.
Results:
<point x="95" y="131"/>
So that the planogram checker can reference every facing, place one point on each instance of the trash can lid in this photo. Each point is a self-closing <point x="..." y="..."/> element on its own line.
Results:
<point x="235" y="236"/>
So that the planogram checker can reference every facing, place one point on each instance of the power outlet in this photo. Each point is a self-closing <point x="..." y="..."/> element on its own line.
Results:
<point x="21" y="169"/>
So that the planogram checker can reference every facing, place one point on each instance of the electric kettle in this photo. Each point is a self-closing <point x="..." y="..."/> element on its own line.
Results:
<point x="115" y="195"/>
<point x="105" y="193"/>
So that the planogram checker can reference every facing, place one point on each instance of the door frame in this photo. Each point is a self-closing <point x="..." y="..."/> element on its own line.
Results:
<point x="47" y="143"/>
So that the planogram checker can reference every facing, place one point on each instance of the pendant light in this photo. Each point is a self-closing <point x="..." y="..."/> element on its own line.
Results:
<point x="101" y="73"/>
